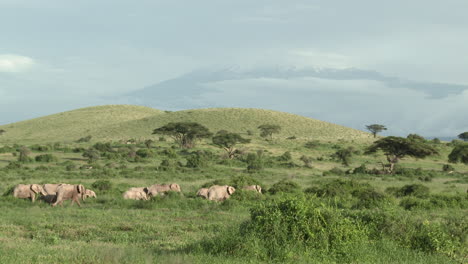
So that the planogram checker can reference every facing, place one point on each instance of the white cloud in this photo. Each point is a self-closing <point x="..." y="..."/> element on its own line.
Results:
<point x="15" y="63"/>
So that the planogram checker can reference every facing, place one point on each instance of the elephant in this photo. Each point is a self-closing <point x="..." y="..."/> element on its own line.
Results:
<point x="137" y="193"/>
<point x="51" y="189"/>
<point x="147" y="190"/>
<point x="163" y="188"/>
<point x="256" y="188"/>
<point x="203" y="192"/>
<point x="220" y="193"/>
<point x="70" y="192"/>
<point x="28" y="191"/>
<point x="89" y="193"/>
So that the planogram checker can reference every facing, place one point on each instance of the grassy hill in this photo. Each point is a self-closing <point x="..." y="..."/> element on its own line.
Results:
<point x="115" y="122"/>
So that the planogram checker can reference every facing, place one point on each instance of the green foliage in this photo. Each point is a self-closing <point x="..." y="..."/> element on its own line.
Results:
<point x="267" y="130"/>
<point x="149" y="143"/>
<point x="46" y="158"/>
<point x="416" y="137"/>
<point x="334" y="172"/>
<point x="463" y="136"/>
<point x="40" y="148"/>
<point x="395" y="148"/>
<point x="227" y="141"/>
<point x="255" y="161"/>
<point x="284" y="186"/>
<point x="92" y="155"/>
<point x="102" y="185"/>
<point x="285" y="157"/>
<point x="375" y="129"/>
<point x="103" y="147"/>
<point x="459" y="154"/>
<point x="243" y="180"/>
<point x="312" y="144"/>
<point x="24" y="153"/>
<point x="184" y="133"/>
<point x="197" y="160"/>
<point x="416" y="190"/>
<point x="307" y="161"/>
<point x="448" y="168"/>
<point x="344" y="155"/>
<point x="145" y="153"/>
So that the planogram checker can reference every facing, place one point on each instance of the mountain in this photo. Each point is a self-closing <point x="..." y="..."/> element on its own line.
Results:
<point x="114" y="122"/>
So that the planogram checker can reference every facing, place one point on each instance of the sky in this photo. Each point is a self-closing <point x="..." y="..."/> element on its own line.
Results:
<point x="400" y="63"/>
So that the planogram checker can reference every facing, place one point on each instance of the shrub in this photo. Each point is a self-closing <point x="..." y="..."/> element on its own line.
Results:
<point x="280" y="231"/>
<point x="243" y="180"/>
<point x="255" y="162"/>
<point x="284" y="186"/>
<point x="196" y="160"/>
<point x="145" y="153"/>
<point x="417" y="190"/>
<point x="448" y="168"/>
<point x="102" y="185"/>
<point x="84" y="139"/>
<point x="103" y="147"/>
<point x="307" y="161"/>
<point x="46" y="158"/>
<point x="291" y="138"/>
<point x="13" y="165"/>
<point x="285" y="157"/>
<point x="40" y="148"/>
<point x="334" y="172"/>
<point x="312" y="144"/>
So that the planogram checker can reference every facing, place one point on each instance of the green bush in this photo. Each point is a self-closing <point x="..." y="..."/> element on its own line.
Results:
<point x="285" y="157"/>
<point x="284" y="186"/>
<point x="334" y="172"/>
<point x="102" y="185"/>
<point x="312" y="144"/>
<point x="255" y="162"/>
<point x="46" y="158"/>
<point x="243" y="180"/>
<point x="40" y="148"/>
<point x="103" y="147"/>
<point x="145" y="153"/>
<point x="417" y="190"/>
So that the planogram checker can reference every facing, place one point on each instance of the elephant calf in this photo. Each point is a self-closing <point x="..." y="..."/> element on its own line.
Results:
<point x="137" y="193"/>
<point x="89" y="193"/>
<point x="256" y="188"/>
<point x="28" y="191"/>
<point x="70" y="192"/>
<point x="164" y="188"/>
<point x="220" y="193"/>
<point x="203" y="192"/>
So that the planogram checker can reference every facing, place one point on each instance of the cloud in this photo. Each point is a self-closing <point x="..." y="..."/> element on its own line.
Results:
<point x="15" y="63"/>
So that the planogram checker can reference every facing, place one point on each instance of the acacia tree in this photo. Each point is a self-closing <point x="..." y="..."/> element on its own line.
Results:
<point x="396" y="148"/>
<point x="227" y="141"/>
<point x="267" y="130"/>
<point x="463" y="136"/>
<point x="344" y="155"/>
<point x="184" y="133"/>
<point x="459" y="154"/>
<point x="376" y="128"/>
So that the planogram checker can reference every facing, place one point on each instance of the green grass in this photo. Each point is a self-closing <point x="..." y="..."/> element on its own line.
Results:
<point x="177" y="228"/>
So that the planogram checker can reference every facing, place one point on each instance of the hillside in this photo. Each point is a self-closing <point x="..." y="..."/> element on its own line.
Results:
<point x="71" y="125"/>
<point x="124" y="121"/>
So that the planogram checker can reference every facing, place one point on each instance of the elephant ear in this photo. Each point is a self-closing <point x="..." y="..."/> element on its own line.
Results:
<point x="259" y="188"/>
<point x="230" y="190"/>
<point x="146" y="190"/>
<point x="35" y="188"/>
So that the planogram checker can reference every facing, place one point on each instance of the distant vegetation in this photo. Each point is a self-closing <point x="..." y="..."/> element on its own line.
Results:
<point x="329" y="194"/>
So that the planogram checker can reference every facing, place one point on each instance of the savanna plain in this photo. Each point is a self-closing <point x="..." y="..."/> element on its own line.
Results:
<point x="327" y="196"/>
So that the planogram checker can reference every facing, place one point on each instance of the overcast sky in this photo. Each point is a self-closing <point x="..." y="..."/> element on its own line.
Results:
<point x="57" y="55"/>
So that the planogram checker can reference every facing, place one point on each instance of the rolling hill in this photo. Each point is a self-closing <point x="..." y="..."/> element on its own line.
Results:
<point x="114" y="122"/>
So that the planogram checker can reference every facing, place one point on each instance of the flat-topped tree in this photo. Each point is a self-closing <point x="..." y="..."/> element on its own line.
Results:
<point x="184" y="133"/>
<point x="227" y="141"/>
<point x="376" y="128"/>
<point x="267" y="130"/>
<point x="463" y="136"/>
<point x="459" y="154"/>
<point x="396" y="148"/>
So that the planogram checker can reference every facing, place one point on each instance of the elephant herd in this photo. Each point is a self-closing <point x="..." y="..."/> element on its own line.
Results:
<point x="53" y="193"/>
<point x="57" y="193"/>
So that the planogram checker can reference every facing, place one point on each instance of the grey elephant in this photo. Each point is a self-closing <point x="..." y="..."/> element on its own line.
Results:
<point x="203" y="192"/>
<point x="220" y="193"/>
<point x="28" y="191"/>
<point x="256" y="188"/>
<point x="137" y="193"/>
<point x="164" y="188"/>
<point x="70" y="192"/>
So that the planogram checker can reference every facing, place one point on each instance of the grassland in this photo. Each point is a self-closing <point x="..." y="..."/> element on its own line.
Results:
<point x="116" y="122"/>
<point x="425" y="228"/>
